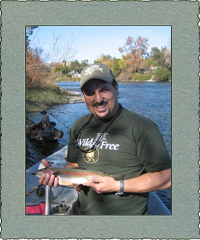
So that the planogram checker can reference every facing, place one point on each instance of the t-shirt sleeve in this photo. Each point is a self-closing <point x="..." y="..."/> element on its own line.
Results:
<point x="152" y="151"/>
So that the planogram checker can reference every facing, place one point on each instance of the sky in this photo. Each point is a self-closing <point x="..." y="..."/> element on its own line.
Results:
<point x="89" y="42"/>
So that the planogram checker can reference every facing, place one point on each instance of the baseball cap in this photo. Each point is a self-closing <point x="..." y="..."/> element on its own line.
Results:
<point x="96" y="71"/>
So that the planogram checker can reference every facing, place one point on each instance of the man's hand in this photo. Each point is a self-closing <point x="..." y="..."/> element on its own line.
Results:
<point x="52" y="180"/>
<point x="49" y="180"/>
<point x="103" y="184"/>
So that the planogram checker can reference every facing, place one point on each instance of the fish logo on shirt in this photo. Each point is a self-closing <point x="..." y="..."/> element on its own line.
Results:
<point x="93" y="68"/>
<point x="91" y="157"/>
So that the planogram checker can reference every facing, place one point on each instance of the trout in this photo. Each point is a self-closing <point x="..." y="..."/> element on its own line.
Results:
<point x="70" y="177"/>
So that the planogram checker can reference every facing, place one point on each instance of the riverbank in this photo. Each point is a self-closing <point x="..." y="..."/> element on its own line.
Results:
<point x="38" y="100"/>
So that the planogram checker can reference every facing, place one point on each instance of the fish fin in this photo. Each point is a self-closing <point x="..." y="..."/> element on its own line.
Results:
<point x="118" y="176"/>
<point x="85" y="189"/>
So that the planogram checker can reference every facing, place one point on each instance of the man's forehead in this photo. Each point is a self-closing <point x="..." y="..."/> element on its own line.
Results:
<point x="95" y="83"/>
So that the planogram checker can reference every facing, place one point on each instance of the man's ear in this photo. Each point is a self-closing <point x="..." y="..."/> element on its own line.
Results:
<point x="83" y="96"/>
<point x="116" y="87"/>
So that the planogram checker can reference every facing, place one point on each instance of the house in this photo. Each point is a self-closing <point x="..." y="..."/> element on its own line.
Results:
<point x="75" y="74"/>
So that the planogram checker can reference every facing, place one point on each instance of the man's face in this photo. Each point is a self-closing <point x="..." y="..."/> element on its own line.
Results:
<point x="101" y="98"/>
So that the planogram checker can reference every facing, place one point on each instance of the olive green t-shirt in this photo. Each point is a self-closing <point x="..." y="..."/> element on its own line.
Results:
<point x="131" y="146"/>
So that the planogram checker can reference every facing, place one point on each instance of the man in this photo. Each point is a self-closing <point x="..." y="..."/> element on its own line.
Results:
<point x="116" y="141"/>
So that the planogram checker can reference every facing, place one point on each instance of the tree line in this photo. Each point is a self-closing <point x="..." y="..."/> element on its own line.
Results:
<point x="135" y="63"/>
<point x="135" y="60"/>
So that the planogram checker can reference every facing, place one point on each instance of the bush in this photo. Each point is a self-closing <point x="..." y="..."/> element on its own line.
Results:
<point x="36" y="70"/>
<point x="162" y="74"/>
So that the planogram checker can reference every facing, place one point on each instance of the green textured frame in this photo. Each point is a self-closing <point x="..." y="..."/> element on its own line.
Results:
<point x="183" y="17"/>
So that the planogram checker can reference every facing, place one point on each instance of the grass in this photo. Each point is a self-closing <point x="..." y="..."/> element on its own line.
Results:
<point x="39" y="99"/>
<point x="67" y="79"/>
<point x="140" y="77"/>
<point x="134" y="77"/>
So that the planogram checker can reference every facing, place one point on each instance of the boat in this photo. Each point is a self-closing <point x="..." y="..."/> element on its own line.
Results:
<point x="47" y="200"/>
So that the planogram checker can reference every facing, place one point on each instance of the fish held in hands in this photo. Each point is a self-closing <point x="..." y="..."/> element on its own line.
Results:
<point x="71" y="177"/>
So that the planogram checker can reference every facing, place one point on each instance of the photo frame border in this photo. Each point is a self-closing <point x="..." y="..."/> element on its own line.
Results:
<point x="183" y="17"/>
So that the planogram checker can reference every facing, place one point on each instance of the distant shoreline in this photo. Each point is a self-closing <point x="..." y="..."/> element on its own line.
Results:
<point x="72" y="98"/>
<point x="119" y="81"/>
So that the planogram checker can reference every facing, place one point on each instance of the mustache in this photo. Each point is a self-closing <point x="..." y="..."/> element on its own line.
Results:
<point x="99" y="104"/>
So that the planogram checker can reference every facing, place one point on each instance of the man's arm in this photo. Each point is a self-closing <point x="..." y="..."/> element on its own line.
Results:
<point x="71" y="165"/>
<point x="148" y="182"/>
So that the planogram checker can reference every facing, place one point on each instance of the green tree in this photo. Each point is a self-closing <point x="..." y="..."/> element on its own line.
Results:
<point x="76" y="66"/>
<point x="61" y="68"/>
<point x="58" y="68"/>
<point x="84" y="63"/>
<point x="161" y="57"/>
<point x="167" y="56"/>
<point x="107" y="59"/>
<point x="122" y="65"/>
<point x="115" y="67"/>
<point x="156" y="57"/>
<point x="65" y="70"/>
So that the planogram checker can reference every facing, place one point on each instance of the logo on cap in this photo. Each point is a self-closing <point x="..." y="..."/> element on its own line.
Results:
<point x="93" y="68"/>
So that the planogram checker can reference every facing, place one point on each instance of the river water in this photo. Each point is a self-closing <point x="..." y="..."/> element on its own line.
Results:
<point x="150" y="99"/>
